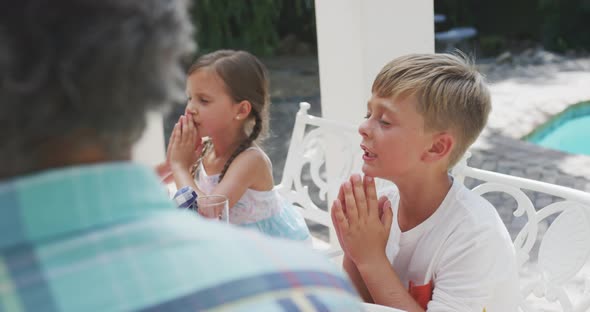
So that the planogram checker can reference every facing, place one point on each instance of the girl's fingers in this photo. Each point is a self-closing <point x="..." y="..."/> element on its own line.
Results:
<point x="174" y="137"/>
<point x="190" y="132"/>
<point x="186" y="128"/>
<point x="181" y="126"/>
<point x="171" y="140"/>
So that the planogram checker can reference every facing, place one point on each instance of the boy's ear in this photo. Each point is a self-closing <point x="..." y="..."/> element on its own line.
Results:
<point x="442" y="145"/>
<point x="243" y="110"/>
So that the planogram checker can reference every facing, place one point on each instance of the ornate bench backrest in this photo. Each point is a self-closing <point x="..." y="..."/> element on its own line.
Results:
<point x="560" y="230"/>
<point x="304" y="180"/>
<point x="563" y="249"/>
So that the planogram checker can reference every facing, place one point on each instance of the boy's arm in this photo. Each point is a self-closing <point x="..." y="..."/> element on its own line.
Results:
<point x="384" y="285"/>
<point x="357" y="280"/>
<point x="347" y="264"/>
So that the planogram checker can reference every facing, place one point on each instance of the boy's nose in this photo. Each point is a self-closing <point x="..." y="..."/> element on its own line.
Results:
<point x="364" y="129"/>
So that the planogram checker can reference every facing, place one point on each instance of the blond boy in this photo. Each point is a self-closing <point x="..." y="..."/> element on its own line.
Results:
<point x="431" y="244"/>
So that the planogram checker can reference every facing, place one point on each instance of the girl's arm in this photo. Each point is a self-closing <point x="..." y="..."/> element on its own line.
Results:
<point x="250" y="169"/>
<point x="184" y="149"/>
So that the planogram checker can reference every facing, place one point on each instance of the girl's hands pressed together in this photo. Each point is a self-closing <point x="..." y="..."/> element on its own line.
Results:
<point x="361" y="221"/>
<point x="185" y="145"/>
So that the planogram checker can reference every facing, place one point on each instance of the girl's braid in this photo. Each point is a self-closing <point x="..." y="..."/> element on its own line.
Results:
<point x="206" y="147"/>
<point x="251" y="138"/>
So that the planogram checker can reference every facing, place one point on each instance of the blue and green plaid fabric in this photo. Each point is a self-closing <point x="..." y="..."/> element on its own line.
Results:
<point x="107" y="238"/>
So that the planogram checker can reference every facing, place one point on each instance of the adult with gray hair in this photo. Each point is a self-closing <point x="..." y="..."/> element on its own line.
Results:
<point x="82" y="228"/>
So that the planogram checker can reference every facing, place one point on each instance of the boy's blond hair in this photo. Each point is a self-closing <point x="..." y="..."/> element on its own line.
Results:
<point x="451" y="94"/>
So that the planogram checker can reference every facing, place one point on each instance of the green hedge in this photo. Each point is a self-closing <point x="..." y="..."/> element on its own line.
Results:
<point x="259" y="25"/>
<point x="253" y="25"/>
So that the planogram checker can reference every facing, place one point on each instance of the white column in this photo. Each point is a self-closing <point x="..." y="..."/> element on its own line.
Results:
<point x="149" y="149"/>
<point x="356" y="38"/>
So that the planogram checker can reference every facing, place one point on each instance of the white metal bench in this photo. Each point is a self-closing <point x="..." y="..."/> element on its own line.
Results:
<point x="549" y="262"/>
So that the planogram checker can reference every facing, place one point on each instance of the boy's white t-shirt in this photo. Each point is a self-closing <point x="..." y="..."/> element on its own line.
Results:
<point x="463" y="248"/>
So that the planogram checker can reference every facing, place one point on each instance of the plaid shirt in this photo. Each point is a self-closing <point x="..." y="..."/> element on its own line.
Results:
<point x="107" y="238"/>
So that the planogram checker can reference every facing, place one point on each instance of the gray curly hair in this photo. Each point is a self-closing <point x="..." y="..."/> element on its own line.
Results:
<point x="88" y="70"/>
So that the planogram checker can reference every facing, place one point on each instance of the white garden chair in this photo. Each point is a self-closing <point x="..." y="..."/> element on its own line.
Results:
<point x="564" y="248"/>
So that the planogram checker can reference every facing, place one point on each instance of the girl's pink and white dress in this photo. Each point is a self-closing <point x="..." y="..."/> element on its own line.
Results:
<point x="265" y="211"/>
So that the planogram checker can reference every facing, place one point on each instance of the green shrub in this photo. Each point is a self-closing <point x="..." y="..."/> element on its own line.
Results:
<point x="253" y="25"/>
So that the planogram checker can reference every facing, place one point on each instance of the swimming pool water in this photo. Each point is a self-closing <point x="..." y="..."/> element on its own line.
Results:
<point x="568" y="132"/>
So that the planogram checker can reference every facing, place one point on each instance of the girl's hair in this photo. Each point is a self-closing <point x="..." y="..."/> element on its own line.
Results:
<point x="245" y="79"/>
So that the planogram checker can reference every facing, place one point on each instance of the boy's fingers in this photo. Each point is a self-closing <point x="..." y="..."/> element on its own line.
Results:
<point x="339" y="218"/>
<point x="350" y="203"/>
<point x="335" y="221"/>
<point x="341" y="197"/>
<point x="382" y="201"/>
<point x="333" y="217"/>
<point x="359" y="195"/>
<point x="371" y="195"/>
<point x="387" y="217"/>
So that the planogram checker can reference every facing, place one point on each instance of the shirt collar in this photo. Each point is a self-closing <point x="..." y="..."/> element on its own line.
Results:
<point x="59" y="201"/>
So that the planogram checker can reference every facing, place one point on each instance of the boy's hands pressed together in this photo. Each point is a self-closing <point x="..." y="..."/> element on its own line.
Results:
<point x="362" y="225"/>
<point x="361" y="221"/>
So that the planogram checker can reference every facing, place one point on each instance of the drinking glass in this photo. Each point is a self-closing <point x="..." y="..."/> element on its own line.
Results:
<point x="214" y="207"/>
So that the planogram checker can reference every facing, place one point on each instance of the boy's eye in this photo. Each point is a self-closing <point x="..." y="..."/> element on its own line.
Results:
<point x="367" y="115"/>
<point x="383" y="122"/>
